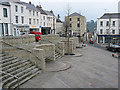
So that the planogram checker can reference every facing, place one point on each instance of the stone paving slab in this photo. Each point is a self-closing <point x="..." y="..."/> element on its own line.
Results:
<point x="56" y="66"/>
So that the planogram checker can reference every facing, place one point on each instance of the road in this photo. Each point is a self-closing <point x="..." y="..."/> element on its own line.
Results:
<point x="96" y="45"/>
<point x="95" y="69"/>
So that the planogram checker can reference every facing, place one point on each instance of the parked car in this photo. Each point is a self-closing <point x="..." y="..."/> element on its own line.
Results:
<point x="37" y="35"/>
<point x="113" y="47"/>
<point x="91" y="41"/>
<point x="117" y="55"/>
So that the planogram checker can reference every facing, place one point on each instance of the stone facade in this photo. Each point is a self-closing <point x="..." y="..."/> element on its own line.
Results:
<point x="77" y="24"/>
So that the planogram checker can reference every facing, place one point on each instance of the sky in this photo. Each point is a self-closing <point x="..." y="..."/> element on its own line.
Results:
<point x="91" y="9"/>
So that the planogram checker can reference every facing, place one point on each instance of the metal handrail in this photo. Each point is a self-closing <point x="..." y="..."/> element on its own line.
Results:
<point x="11" y="76"/>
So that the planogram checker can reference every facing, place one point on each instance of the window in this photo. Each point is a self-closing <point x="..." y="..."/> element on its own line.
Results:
<point x="107" y="31"/>
<point x="29" y="20"/>
<point x="16" y="17"/>
<point x="113" y="23"/>
<point x="70" y="25"/>
<point x="29" y="12"/>
<point x="101" y="31"/>
<point x="43" y="17"/>
<point x="33" y="13"/>
<point x="1" y="30"/>
<point x="21" y="9"/>
<point x="78" y="19"/>
<point x="14" y="31"/>
<point x="113" y="31"/>
<point x="6" y="28"/>
<point x="107" y="23"/>
<point x="78" y="25"/>
<point x="22" y="19"/>
<point x="70" y="19"/>
<point x="44" y="23"/>
<point x="37" y="13"/>
<point x="16" y="8"/>
<point x="37" y="21"/>
<point x="4" y="12"/>
<point x="101" y="23"/>
<point x="34" y="21"/>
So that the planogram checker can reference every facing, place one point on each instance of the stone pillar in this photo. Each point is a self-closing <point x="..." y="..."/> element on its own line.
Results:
<point x="103" y="40"/>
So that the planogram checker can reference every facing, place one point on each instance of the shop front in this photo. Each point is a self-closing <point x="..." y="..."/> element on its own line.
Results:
<point x="21" y="30"/>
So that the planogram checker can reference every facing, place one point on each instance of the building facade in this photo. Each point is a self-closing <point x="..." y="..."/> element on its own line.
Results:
<point x="77" y="24"/>
<point x="119" y="7"/>
<point x="5" y="22"/>
<point x="19" y="18"/>
<point x="59" y="26"/>
<point x="108" y="27"/>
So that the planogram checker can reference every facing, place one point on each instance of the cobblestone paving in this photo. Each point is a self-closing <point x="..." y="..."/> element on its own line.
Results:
<point x="96" y="68"/>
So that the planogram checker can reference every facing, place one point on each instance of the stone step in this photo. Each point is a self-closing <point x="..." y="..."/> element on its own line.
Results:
<point x="20" y="69"/>
<point x="17" y="67"/>
<point x="2" y="55"/>
<point x="14" y="72"/>
<point x="7" y="60"/>
<point x="18" y="75"/>
<point x="6" y="57"/>
<point x="9" y="85"/>
<point x="10" y="62"/>
<point x="26" y="79"/>
<point x="58" y="57"/>
<point x="4" y="77"/>
<point x="25" y="71"/>
<point x="13" y="65"/>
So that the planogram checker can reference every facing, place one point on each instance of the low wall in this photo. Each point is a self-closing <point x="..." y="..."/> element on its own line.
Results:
<point x="60" y="48"/>
<point x="15" y="40"/>
<point x="75" y="42"/>
<point x="50" y="37"/>
<point x="71" y="49"/>
<point x="35" y="55"/>
<point x="49" y="51"/>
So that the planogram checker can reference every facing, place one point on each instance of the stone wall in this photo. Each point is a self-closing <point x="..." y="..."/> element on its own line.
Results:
<point x="17" y="40"/>
<point x="71" y="49"/>
<point x="49" y="51"/>
<point x="34" y="55"/>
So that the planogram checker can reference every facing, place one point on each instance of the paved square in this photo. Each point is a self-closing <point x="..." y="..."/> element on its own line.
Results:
<point x="95" y="69"/>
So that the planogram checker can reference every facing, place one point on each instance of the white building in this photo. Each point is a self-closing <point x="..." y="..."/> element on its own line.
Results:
<point x="5" y="21"/>
<point x="108" y="27"/>
<point x="119" y="7"/>
<point x="48" y="21"/>
<point x="22" y="17"/>
<point x="19" y="18"/>
<point x="33" y="17"/>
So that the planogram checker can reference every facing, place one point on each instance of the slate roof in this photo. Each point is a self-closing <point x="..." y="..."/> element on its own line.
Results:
<point x="49" y="13"/>
<point x="74" y="14"/>
<point x="110" y="15"/>
<point x="42" y="11"/>
<point x="58" y="20"/>
<point x="29" y="6"/>
<point x="5" y="3"/>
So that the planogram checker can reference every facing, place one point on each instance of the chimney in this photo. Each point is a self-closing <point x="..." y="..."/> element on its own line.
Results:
<point x="30" y="2"/>
<point x="51" y="11"/>
<point x="39" y="6"/>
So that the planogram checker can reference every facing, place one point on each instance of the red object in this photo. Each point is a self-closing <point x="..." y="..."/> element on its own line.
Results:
<point x="91" y="41"/>
<point x="37" y="35"/>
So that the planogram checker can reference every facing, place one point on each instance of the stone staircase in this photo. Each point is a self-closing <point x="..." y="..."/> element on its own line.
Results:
<point x="57" y="55"/>
<point x="14" y="72"/>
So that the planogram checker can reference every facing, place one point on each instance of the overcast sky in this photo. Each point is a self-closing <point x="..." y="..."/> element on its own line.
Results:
<point x="92" y="9"/>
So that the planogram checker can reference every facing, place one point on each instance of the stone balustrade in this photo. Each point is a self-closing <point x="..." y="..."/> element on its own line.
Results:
<point x="16" y="40"/>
